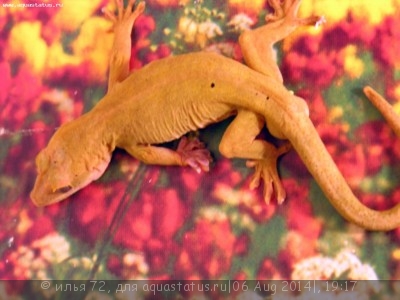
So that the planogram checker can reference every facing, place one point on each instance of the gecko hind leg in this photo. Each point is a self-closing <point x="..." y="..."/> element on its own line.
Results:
<point x="266" y="170"/>
<point x="240" y="141"/>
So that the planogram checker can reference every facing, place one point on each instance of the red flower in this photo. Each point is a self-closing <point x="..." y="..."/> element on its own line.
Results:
<point x="242" y="245"/>
<point x="161" y="52"/>
<point x="114" y="264"/>
<point x="189" y="181"/>
<point x="5" y="82"/>
<point x="73" y="75"/>
<point x="387" y="43"/>
<point x="297" y="248"/>
<point x="268" y="271"/>
<point x="169" y="214"/>
<point x="253" y="203"/>
<point x="298" y="211"/>
<point x="378" y="141"/>
<point x="93" y="210"/>
<point x="155" y="214"/>
<point x="298" y="69"/>
<point x="223" y="172"/>
<point x="165" y="3"/>
<point x="20" y="158"/>
<point x="207" y="250"/>
<point x="394" y="200"/>
<point x="347" y="32"/>
<point x="375" y="201"/>
<point x="144" y="25"/>
<point x="21" y="96"/>
<point x="317" y="106"/>
<point x="150" y="226"/>
<point x="159" y="254"/>
<point x="186" y="180"/>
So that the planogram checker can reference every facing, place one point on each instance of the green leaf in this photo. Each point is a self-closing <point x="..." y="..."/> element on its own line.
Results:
<point x="91" y="96"/>
<point x="324" y="209"/>
<point x="265" y="242"/>
<point x="377" y="253"/>
<point x="347" y="93"/>
<point x="382" y="182"/>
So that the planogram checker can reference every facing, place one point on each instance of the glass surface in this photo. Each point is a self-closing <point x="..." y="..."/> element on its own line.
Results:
<point x="152" y="222"/>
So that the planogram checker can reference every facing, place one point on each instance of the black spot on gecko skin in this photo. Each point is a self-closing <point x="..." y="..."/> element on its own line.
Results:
<point x="212" y="85"/>
<point x="267" y="98"/>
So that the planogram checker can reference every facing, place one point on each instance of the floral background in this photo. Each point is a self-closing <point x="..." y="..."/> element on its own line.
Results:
<point x="148" y="222"/>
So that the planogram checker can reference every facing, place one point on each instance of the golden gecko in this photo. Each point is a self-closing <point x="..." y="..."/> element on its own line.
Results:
<point x="170" y="97"/>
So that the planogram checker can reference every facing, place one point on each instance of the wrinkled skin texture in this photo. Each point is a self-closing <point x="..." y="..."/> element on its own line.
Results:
<point x="173" y="96"/>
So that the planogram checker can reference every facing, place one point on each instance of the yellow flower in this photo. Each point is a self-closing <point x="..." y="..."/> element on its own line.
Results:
<point x="73" y="13"/>
<point x="25" y="43"/>
<point x="396" y="108"/>
<point x="371" y="10"/>
<point x="188" y="28"/>
<point x="353" y="65"/>
<point x="25" y="222"/>
<point x="57" y="58"/>
<point x="90" y="48"/>
<point x="198" y="33"/>
<point x="254" y="6"/>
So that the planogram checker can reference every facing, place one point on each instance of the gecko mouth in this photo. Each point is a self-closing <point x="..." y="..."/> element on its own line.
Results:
<point x="45" y="196"/>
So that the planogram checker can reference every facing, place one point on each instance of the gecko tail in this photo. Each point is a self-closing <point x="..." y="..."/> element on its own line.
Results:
<point x="384" y="108"/>
<point x="320" y="164"/>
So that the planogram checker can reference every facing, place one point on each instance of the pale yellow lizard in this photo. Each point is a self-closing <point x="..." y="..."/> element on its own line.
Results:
<point x="170" y="97"/>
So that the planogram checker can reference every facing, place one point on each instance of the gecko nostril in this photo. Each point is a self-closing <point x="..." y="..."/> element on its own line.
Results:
<point x="212" y="85"/>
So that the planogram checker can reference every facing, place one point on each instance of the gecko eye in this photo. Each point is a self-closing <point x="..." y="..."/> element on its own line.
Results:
<point x="63" y="190"/>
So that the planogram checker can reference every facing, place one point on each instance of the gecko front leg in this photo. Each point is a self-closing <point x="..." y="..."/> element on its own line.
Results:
<point x="190" y="152"/>
<point x="121" y="51"/>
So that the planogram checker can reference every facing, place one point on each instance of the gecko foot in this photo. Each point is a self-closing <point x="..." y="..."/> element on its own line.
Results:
<point x="194" y="154"/>
<point x="287" y="10"/>
<point x="266" y="169"/>
<point x="124" y="18"/>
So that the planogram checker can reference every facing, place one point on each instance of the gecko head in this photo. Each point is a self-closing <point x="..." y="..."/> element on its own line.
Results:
<point x="60" y="173"/>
